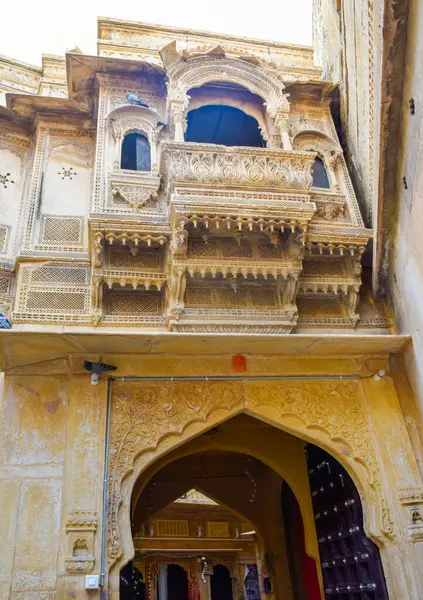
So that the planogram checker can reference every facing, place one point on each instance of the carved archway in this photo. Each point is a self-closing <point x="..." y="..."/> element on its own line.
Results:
<point x="150" y="418"/>
<point x="316" y="140"/>
<point x="197" y="71"/>
<point x="262" y="451"/>
<point x="242" y="436"/>
<point x="133" y="119"/>
<point x="329" y="151"/>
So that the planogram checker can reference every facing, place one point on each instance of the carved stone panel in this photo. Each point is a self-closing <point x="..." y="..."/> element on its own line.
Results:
<point x="149" y="419"/>
<point x="80" y="529"/>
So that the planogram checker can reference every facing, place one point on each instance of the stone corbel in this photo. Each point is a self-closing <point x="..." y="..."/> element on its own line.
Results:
<point x="179" y="244"/>
<point x="80" y="529"/>
<point x="97" y="248"/>
<point x="352" y="303"/>
<point x="119" y="192"/>
<point x="287" y="291"/>
<point x="96" y="299"/>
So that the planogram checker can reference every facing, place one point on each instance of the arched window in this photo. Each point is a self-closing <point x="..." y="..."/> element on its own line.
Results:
<point x="226" y="125"/>
<point x="320" y="177"/>
<point x="135" y="153"/>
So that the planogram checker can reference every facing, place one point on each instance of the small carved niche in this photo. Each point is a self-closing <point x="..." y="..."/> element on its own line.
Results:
<point x="80" y="549"/>
<point x="80" y="529"/>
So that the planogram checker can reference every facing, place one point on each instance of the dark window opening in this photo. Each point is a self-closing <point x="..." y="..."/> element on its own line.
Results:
<point x="132" y="585"/>
<point x="177" y="583"/>
<point x="221" y="583"/>
<point x="320" y="177"/>
<point x="224" y="125"/>
<point x="136" y="153"/>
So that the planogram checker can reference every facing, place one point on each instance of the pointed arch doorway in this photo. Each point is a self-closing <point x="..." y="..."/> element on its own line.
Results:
<point x="281" y="455"/>
<point x="204" y="463"/>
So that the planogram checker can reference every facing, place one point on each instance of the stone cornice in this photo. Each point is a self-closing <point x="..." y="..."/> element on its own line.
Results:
<point x="26" y="344"/>
<point x="106" y="22"/>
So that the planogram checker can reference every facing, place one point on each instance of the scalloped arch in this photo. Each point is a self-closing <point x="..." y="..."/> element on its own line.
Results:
<point x="197" y="71"/>
<point x="127" y="119"/>
<point x="314" y="140"/>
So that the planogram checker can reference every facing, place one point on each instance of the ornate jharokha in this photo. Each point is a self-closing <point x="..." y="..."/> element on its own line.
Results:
<point x="253" y="234"/>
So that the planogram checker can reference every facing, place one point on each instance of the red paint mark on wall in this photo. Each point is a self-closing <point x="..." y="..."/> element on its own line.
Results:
<point x="239" y="363"/>
<point x="52" y="406"/>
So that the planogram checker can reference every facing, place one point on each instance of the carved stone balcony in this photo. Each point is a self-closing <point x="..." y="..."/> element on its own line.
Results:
<point x="233" y="306"/>
<point x="188" y="164"/>
<point x="128" y="273"/>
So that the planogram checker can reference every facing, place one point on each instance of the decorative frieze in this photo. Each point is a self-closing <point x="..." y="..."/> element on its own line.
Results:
<point x="191" y="163"/>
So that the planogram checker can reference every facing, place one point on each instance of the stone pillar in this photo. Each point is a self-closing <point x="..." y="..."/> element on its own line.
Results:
<point x="163" y="581"/>
<point x="177" y="104"/>
<point x="282" y="123"/>
<point x="118" y="138"/>
<point x="153" y="151"/>
<point x="331" y="162"/>
<point x="117" y="152"/>
<point x="177" y="112"/>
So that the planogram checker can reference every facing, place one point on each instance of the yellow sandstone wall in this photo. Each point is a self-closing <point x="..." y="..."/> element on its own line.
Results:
<point x="52" y="438"/>
<point x="51" y="465"/>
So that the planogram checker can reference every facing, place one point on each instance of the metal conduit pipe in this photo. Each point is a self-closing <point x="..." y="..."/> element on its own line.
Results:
<point x="185" y="378"/>
<point x="105" y="481"/>
<point x="236" y="377"/>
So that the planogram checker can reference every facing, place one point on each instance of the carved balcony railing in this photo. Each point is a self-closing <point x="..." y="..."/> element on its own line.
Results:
<point x="212" y="165"/>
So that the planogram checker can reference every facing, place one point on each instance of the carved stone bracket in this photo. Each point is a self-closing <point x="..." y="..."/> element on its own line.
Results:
<point x="134" y="278"/>
<point x="244" y="222"/>
<point x="134" y="189"/>
<point x="244" y="268"/>
<point x="135" y="198"/>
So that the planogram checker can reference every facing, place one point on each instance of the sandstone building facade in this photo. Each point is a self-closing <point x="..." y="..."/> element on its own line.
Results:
<point x="213" y="217"/>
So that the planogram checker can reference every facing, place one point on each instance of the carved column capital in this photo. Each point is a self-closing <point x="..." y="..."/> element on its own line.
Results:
<point x="332" y="158"/>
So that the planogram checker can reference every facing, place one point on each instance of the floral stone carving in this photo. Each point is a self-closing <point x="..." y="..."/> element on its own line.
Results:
<point x="150" y="418"/>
